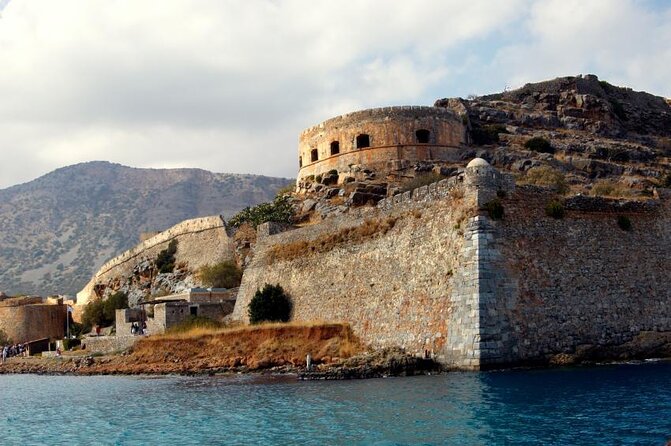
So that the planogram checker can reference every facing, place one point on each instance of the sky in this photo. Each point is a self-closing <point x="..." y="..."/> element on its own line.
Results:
<point x="228" y="85"/>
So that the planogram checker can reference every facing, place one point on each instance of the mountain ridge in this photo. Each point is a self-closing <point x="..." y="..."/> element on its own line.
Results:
<point x="58" y="229"/>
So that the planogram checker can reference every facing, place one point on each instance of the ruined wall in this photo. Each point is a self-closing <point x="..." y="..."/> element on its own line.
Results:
<point x="393" y="288"/>
<point x="584" y="286"/>
<point x="201" y="241"/>
<point x="392" y="136"/>
<point x="24" y="323"/>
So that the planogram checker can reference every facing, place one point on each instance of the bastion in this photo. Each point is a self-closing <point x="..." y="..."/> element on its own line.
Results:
<point x="380" y="140"/>
<point x="29" y="319"/>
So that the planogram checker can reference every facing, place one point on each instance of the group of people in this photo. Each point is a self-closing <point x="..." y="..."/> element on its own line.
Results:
<point x="13" y="350"/>
<point x="136" y="329"/>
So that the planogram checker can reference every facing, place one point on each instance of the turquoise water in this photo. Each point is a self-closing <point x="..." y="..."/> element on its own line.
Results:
<point x="609" y="405"/>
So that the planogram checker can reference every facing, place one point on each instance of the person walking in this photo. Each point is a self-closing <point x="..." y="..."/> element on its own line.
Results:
<point x="4" y="354"/>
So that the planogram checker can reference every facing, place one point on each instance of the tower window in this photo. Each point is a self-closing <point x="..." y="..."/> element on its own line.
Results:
<point x="335" y="147"/>
<point x="362" y="141"/>
<point x="423" y="136"/>
<point x="300" y="161"/>
<point x="314" y="155"/>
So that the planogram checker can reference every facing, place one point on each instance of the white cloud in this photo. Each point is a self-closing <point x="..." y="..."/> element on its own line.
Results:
<point x="228" y="85"/>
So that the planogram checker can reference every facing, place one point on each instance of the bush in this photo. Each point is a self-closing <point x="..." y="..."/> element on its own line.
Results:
<point x="271" y="304"/>
<point x="624" y="222"/>
<point x="279" y="210"/>
<point x="607" y="188"/>
<point x="488" y="134"/>
<point x="165" y="261"/>
<point x="540" y="145"/>
<point x="495" y="209"/>
<point x="4" y="339"/>
<point x="221" y="275"/>
<point x="71" y="343"/>
<point x="666" y="181"/>
<point x="103" y="312"/>
<point x="547" y="176"/>
<point x="555" y="209"/>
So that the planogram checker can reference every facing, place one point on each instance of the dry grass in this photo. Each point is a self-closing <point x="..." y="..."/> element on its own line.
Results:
<point x="612" y="189"/>
<point x="357" y="234"/>
<point x="546" y="176"/>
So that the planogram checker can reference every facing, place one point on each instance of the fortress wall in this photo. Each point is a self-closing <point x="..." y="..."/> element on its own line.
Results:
<point x="393" y="289"/>
<point x="392" y="137"/>
<point x="582" y="282"/>
<point x="25" y="323"/>
<point x="201" y="241"/>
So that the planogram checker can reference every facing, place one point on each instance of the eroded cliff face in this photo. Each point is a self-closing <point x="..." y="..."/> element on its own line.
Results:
<point x="200" y="242"/>
<point x="387" y="271"/>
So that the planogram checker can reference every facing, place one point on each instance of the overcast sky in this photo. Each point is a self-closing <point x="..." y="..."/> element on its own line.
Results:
<point x="228" y="85"/>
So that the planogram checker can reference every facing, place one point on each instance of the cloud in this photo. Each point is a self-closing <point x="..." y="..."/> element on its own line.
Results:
<point x="228" y="85"/>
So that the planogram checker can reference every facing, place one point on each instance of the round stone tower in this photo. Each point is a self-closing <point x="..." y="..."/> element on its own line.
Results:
<point x="380" y="140"/>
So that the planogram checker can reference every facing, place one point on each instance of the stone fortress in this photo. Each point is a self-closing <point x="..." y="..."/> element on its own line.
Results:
<point x="381" y="139"/>
<point x="434" y="270"/>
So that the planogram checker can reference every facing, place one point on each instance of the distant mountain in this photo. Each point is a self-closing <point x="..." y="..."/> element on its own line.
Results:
<point x="57" y="230"/>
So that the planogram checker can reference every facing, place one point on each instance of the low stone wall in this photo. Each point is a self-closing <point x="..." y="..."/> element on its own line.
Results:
<point x="109" y="344"/>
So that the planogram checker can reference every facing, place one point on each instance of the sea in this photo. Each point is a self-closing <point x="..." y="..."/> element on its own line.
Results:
<point x="616" y="404"/>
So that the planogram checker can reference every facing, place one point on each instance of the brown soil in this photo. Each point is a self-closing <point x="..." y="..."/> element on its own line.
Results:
<point x="231" y="350"/>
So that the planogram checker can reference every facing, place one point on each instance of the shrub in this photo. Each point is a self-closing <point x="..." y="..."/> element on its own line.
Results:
<point x="4" y="339"/>
<point x="618" y="109"/>
<point x="488" y="134"/>
<point x="279" y="210"/>
<point x="624" y="222"/>
<point x="666" y="181"/>
<point x="555" y="209"/>
<point x="270" y="304"/>
<point x="221" y="275"/>
<point x="540" y="145"/>
<point x="165" y="261"/>
<point x="71" y="343"/>
<point x="495" y="209"/>
<point x="318" y="178"/>
<point x="547" y="176"/>
<point x="421" y="180"/>
<point x="103" y="312"/>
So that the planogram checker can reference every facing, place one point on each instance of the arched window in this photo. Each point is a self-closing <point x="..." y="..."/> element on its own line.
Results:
<point x="423" y="136"/>
<point x="300" y="161"/>
<point x="362" y="141"/>
<point x="335" y="147"/>
<point x="314" y="155"/>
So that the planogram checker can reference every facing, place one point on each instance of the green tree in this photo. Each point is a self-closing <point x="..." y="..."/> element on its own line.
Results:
<point x="279" y="210"/>
<point x="221" y="275"/>
<point x="270" y="304"/>
<point x="103" y="312"/>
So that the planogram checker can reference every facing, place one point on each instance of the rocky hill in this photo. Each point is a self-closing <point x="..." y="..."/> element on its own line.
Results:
<point x="57" y="230"/>
<point x="597" y="132"/>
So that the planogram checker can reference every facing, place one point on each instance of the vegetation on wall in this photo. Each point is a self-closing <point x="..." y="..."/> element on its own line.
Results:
<point x="495" y="209"/>
<point x="608" y="188"/>
<point x="270" y="304"/>
<point x="279" y="210"/>
<point x="624" y="222"/>
<point x="224" y="274"/>
<point x="165" y="261"/>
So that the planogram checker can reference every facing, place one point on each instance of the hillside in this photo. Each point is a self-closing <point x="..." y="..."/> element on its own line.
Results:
<point x="57" y="230"/>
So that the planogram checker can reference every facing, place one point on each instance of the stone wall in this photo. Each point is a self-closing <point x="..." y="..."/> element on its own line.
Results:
<point x="109" y="344"/>
<point x="24" y="323"/>
<point x="392" y="137"/>
<point x="582" y="282"/>
<point x="393" y="288"/>
<point x="201" y="241"/>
